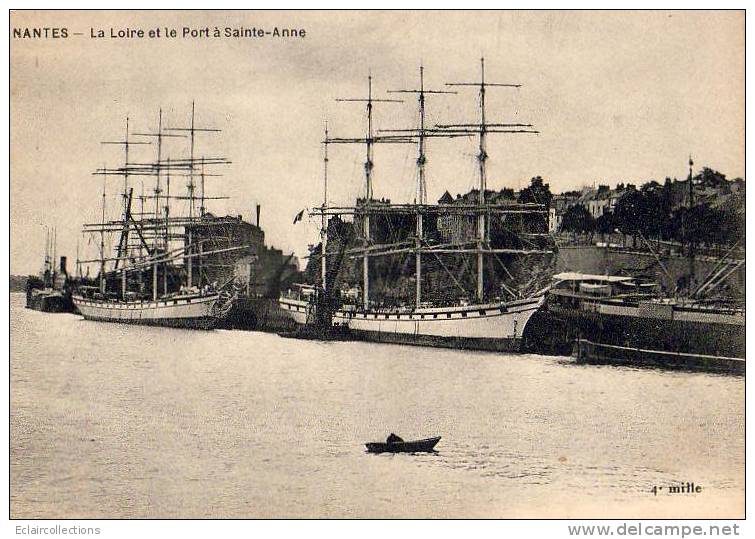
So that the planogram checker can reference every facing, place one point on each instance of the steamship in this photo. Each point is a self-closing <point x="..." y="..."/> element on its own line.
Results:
<point x="618" y="319"/>
<point x="623" y="319"/>
<point x="50" y="291"/>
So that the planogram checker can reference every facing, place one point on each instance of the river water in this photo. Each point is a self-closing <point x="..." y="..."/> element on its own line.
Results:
<point x="111" y="420"/>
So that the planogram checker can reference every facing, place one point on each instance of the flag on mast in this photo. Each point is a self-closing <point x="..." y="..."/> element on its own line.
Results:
<point x="298" y="216"/>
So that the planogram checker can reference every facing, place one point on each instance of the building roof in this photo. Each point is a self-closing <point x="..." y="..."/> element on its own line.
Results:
<point x="446" y="198"/>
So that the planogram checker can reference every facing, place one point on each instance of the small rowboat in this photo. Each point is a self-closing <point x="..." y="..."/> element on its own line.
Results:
<point x="415" y="446"/>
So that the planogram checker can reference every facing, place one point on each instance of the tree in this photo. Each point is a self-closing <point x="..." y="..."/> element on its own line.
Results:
<point x="730" y="226"/>
<point x="605" y="223"/>
<point x="577" y="219"/>
<point x="655" y="211"/>
<point x="709" y="178"/>
<point x="630" y="212"/>
<point x="699" y="224"/>
<point x="538" y="192"/>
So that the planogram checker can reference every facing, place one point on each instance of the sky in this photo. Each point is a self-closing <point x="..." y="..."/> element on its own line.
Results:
<point x="617" y="97"/>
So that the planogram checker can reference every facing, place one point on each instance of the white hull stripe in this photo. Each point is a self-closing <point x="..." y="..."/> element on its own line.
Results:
<point x="485" y="311"/>
<point x="501" y="322"/>
<point x="198" y="307"/>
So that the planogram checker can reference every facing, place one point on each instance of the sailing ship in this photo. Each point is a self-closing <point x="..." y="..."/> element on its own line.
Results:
<point x="497" y="317"/>
<point x="155" y="276"/>
<point x="625" y="319"/>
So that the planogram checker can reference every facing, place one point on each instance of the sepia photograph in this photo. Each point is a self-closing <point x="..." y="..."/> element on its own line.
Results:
<point x="377" y="264"/>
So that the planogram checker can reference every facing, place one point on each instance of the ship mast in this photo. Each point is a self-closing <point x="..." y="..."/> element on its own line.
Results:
<point x="159" y="136"/>
<point x="157" y="202"/>
<point x="193" y="130"/>
<point x="482" y="158"/>
<point x="123" y="244"/>
<point x="45" y="267"/>
<point x="480" y="208"/>
<point x="158" y="167"/>
<point x="102" y="239"/>
<point x="324" y="229"/>
<point x="140" y="275"/>
<point x="482" y="129"/>
<point x="154" y="229"/>
<point x="690" y="247"/>
<point x="54" y="252"/>
<point x="125" y="212"/>
<point x="167" y="222"/>
<point x="421" y="198"/>
<point x="369" y="140"/>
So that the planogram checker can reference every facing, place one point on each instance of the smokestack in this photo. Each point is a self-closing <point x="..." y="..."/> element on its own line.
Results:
<point x="258" y="215"/>
<point x="63" y="261"/>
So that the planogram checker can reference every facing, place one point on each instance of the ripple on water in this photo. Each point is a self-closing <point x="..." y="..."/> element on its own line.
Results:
<point x="124" y="421"/>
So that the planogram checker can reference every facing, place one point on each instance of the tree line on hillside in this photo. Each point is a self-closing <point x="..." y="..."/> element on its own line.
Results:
<point x="650" y="211"/>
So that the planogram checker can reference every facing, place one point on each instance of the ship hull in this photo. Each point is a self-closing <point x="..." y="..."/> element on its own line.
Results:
<point x="190" y="313"/>
<point x="49" y="302"/>
<point x="497" y="344"/>
<point x="257" y="314"/>
<point x="588" y="351"/>
<point x="491" y="327"/>
<point x="657" y="335"/>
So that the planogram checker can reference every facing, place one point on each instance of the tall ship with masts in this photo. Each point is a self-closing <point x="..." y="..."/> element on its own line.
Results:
<point x="155" y="274"/>
<point x="480" y="266"/>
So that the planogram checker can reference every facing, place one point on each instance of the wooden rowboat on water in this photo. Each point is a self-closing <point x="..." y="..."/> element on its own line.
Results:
<point x="416" y="446"/>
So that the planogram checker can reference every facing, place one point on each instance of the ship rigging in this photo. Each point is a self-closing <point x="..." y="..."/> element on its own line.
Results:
<point x="490" y="322"/>
<point x="157" y="261"/>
